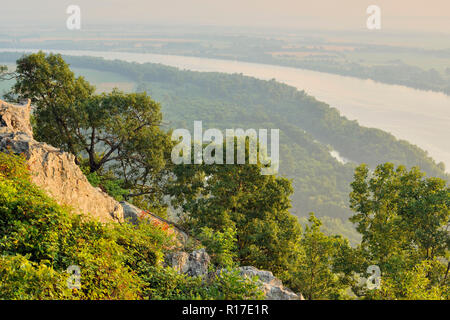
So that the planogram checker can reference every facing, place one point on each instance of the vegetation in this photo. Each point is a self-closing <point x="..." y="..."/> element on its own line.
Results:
<point x="40" y="240"/>
<point x="254" y="206"/>
<point x="241" y="216"/>
<point x="404" y="222"/>
<point x="320" y="272"/>
<point x="309" y="130"/>
<point x="4" y="74"/>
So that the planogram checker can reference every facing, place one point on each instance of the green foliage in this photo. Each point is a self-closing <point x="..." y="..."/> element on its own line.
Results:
<point x="237" y="205"/>
<point x="40" y="239"/>
<point x="167" y="284"/>
<point x="319" y="274"/>
<point x="403" y="219"/>
<point x="240" y="197"/>
<point x="51" y="238"/>
<point x="221" y="246"/>
<point x="109" y="184"/>
<point x="58" y="97"/>
<point x="13" y="167"/>
<point x="398" y="211"/>
<point x="414" y="284"/>
<point x="229" y="285"/>
<point x="336" y="226"/>
<point x="22" y="279"/>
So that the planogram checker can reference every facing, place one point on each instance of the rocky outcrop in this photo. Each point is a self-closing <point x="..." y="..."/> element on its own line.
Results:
<point x="53" y="170"/>
<point x="15" y="118"/>
<point x="197" y="264"/>
<point x="272" y="287"/>
<point x="194" y="264"/>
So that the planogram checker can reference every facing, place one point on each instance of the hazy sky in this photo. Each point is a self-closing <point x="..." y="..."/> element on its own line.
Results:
<point x="408" y="15"/>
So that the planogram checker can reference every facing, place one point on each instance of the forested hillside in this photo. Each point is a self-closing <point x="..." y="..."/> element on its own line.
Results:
<point x="309" y="129"/>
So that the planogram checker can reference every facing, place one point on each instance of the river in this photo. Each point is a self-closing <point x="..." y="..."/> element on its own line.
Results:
<point x="420" y="117"/>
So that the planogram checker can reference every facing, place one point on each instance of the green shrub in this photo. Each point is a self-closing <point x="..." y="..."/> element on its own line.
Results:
<point x="23" y="279"/>
<point x="222" y="246"/>
<point x="229" y="285"/>
<point x="167" y="284"/>
<point x="52" y="238"/>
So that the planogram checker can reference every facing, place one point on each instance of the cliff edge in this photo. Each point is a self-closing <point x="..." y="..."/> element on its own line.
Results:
<point x="53" y="170"/>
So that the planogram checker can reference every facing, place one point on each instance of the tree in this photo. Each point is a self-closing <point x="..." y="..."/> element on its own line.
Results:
<point x="237" y="195"/>
<point x="403" y="219"/>
<point x="320" y="274"/>
<point x="58" y="97"/>
<point x="114" y="131"/>
<point x="413" y="284"/>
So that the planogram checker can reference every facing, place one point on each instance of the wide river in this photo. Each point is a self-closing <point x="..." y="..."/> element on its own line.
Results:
<point x="420" y="117"/>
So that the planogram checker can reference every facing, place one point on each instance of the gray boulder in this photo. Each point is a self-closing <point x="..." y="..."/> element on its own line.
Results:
<point x="197" y="262"/>
<point x="272" y="287"/>
<point x="194" y="264"/>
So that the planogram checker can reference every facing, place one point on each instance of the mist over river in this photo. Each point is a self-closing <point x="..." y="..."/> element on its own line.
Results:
<point x="420" y="117"/>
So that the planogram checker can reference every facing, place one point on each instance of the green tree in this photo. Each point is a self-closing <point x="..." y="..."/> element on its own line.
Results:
<point x="403" y="219"/>
<point x="320" y="274"/>
<point x="221" y="246"/>
<point x="58" y="97"/>
<point x="414" y="284"/>
<point x="114" y="131"/>
<point x="239" y="196"/>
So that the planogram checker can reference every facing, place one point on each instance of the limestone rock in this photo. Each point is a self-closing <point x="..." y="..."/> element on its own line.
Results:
<point x="197" y="263"/>
<point x="273" y="287"/>
<point x="179" y="261"/>
<point x="53" y="170"/>
<point x="194" y="264"/>
<point x="15" y="118"/>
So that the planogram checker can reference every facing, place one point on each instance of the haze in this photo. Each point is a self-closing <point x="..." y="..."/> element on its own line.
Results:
<point x="398" y="15"/>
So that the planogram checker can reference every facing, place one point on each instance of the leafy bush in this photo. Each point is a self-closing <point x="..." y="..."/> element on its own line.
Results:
<point x="23" y="279"/>
<point x="221" y="246"/>
<point x="166" y="283"/>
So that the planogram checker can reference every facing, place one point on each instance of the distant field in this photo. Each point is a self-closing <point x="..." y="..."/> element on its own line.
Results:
<point x="421" y="61"/>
